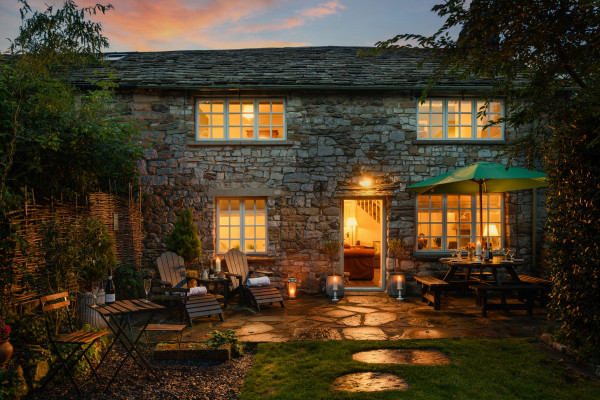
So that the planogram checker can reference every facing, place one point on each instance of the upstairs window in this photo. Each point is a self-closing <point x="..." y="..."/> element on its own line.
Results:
<point x="448" y="119"/>
<point x="229" y="119"/>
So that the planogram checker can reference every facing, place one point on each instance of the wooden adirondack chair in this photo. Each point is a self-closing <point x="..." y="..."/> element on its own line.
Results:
<point x="238" y="271"/>
<point x="173" y="287"/>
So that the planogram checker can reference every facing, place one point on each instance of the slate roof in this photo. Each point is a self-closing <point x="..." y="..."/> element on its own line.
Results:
<point x="290" y="67"/>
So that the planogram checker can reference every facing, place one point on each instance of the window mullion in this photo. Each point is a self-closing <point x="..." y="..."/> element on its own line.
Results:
<point x="444" y="222"/>
<point x="445" y="118"/>
<point x="256" y="135"/>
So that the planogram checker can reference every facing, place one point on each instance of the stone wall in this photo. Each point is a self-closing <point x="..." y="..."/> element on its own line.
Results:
<point x="333" y="139"/>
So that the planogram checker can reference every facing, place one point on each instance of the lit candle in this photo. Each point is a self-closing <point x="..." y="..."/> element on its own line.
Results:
<point x="335" y="287"/>
<point x="292" y="293"/>
<point x="218" y="265"/>
<point x="399" y="283"/>
<point x="478" y="249"/>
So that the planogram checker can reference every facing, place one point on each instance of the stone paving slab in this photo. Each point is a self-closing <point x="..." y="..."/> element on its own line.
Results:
<point x="362" y="316"/>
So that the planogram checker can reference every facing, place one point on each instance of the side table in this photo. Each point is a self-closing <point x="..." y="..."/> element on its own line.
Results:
<point x="220" y="286"/>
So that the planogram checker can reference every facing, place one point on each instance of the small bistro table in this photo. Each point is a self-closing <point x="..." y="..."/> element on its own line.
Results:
<point x="121" y="312"/>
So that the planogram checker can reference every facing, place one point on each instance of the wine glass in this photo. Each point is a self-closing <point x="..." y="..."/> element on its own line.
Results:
<point x="147" y="284"/>
<point x="95" y="290"/>
<point x="505" y="252"/>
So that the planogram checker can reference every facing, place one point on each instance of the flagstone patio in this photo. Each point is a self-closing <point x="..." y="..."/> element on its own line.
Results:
<point x="364" y="316"/>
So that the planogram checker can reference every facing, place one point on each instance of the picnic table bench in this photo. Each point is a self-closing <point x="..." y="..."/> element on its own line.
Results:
<point x="526" y="292"/>
<point x="431" y="288"/>
<point x="542" y="294"/>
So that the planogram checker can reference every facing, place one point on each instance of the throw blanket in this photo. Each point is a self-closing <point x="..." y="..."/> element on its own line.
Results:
<point x="261" y="281"/>
<point x="197" y="290"/>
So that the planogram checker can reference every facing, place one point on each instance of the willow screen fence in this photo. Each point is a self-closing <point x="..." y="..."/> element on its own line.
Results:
<point x="122" y="217"/>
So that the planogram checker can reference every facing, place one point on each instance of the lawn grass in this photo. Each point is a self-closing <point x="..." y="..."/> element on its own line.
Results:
<point x="480" y="369"/>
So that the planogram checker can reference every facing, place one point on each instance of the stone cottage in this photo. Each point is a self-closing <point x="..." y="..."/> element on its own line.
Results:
<point x="277" y="150"/>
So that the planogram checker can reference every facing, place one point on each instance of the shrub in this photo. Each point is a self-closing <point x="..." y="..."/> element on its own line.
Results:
<point x="220" y="338"/>
<point x="184" y="239"/>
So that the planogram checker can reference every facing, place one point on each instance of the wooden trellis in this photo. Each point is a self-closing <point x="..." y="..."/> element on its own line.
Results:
<point x="123" y="218"/>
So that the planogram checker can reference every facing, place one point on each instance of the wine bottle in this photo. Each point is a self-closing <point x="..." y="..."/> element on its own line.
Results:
<point x="490" y="253"/>
<point x="110" y="289"/>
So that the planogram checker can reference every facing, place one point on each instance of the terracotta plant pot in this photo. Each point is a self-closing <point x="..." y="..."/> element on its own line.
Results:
<point x="6" y="351"/>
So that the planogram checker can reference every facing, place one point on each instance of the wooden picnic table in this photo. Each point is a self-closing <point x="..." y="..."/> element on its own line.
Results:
<point x="481" y="286"/>
<point x="118" y="318"/>
<point x="495" y="266"/>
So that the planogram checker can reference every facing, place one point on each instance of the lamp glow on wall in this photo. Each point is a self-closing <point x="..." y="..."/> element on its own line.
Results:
<point x="352" y="223"/>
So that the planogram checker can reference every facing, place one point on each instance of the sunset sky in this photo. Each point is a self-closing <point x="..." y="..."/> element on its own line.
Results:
<point x="154" y="25"/>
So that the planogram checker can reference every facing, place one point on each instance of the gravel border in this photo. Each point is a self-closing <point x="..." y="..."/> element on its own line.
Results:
<point x="177" y="380"/>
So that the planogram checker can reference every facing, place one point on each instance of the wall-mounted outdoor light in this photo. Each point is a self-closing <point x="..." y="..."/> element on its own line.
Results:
<point x="366" y="182"/>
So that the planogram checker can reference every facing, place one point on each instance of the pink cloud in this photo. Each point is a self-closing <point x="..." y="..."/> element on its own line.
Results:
<point x="287" y="23"/>
<point x="323" y="10"/>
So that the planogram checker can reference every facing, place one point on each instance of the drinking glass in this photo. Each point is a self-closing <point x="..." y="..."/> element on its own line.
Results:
<point x="511" y="254"/>
<point x="95" y="290"/>
<point x="147" y="284"/>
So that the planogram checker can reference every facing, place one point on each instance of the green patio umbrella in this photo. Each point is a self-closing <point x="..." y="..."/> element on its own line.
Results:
<point x="478" y="178"/>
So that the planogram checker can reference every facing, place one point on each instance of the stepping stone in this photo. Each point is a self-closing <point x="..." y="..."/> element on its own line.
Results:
<point x="369" y="382"/>
<point x="402" y="356"/>
<point x="323" y="319"/>
<point x="339" y="313"/>
<point x="351" y="321"/>
<point x="358" y="309"/>
<point x="379" y="318"/>
<point x="364" y="333"/>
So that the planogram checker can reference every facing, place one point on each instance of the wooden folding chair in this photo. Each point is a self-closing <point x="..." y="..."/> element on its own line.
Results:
<point x="59" y="304"/>
<point x="238" y="272"/>
<point x="174" y="287"/>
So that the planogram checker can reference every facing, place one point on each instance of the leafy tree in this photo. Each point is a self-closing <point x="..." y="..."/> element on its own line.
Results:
<point x="184" y="239"/>
<point x="542" y="56"/>
<point x="55" y="138"/>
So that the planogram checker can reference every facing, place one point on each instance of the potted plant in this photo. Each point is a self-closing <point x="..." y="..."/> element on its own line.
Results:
<point x="6" y="349"/>
<point x="95" y="256"/>
<point x="334" y="284"/>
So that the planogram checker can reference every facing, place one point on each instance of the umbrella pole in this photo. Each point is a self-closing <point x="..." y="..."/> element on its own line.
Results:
<point x="481" y="211"/>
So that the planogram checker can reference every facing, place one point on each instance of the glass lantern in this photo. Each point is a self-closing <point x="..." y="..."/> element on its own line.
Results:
<point x="396" y="285"/>
<point x="291" y="286"/>
<point x="334" y="287"/>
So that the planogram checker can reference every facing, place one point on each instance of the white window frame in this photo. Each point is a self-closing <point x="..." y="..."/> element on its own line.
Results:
<point x="474" y="221"/>
<point x="256" y="126"/>
<point x="242" y="225"/>
<point x="474" y="121"/>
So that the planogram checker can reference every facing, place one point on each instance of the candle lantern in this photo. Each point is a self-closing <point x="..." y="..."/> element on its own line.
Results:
<point x="292" y="287"/>
<point x="396" y="285"/>
<point x="334" y="287"/>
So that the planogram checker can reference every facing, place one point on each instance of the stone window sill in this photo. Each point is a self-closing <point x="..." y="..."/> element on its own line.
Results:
<point x="237" y="143"/>
<point x="453" y="142"/>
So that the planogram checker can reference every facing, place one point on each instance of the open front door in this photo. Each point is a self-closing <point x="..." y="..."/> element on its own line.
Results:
<point x="363" y="233"/>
